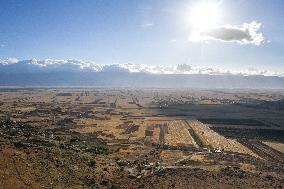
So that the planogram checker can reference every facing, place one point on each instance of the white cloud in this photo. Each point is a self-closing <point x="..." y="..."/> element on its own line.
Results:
<point x="70" y="65"/>
<point x="8" y="61"/>
<point x="248" y="33"/>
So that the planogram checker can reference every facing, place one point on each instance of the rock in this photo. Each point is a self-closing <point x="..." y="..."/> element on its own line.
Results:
<point x="133" y="172"/>
<point x="160" y="172"/>
<point x="146" y="172"/>
<point x="122" y="163"/>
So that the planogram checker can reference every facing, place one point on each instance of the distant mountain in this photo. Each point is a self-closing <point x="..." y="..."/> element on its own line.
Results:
<point x="83" y="73"/>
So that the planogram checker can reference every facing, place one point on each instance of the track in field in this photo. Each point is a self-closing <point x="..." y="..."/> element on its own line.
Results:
<point x="263" y="150"/>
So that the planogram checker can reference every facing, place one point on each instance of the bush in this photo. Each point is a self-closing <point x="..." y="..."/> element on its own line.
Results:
<point x="92" y="163"/>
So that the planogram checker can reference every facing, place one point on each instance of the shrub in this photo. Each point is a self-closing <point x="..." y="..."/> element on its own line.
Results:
<point x="92" y="163"/>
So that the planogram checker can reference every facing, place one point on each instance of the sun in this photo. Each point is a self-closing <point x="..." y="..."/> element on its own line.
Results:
<point x="205" y="15"/>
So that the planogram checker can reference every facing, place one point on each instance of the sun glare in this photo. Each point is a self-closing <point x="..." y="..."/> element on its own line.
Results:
<point x="204" y="15"/>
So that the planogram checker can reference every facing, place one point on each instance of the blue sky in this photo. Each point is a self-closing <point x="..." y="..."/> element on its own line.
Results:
<point x="138" y="31"/>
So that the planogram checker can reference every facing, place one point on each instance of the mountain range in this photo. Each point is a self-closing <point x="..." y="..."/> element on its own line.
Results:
<point x="71" y="72"/>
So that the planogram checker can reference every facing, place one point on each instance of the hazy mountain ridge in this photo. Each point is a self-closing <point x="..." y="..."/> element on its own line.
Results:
<point x="127" y="79"/>
<point x="12" y="65"/>
<point x="79" y="73"/>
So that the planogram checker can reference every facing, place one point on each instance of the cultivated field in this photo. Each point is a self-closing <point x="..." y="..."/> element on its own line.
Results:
<point x="128" y="138"/>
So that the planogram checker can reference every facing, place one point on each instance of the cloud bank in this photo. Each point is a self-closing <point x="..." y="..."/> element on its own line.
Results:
<point x="12" y="65"/>
<point x="248" y="33"/>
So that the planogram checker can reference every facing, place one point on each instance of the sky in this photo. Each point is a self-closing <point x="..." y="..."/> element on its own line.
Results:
<point x="244" y="35"/>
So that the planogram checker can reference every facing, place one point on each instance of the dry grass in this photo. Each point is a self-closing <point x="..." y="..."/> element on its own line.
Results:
<point x="178" y="134"/>
<point x="276" y="146"/>
<point x="247" y="166"/>
<point x="217" y="141"/>
<point x="170" y="157"/>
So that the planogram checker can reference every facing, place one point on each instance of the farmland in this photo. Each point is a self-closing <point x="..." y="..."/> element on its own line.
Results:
<point x="140" y="138"/>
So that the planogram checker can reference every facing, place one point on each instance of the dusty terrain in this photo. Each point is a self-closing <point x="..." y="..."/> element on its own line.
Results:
<point x="150" y="138"/>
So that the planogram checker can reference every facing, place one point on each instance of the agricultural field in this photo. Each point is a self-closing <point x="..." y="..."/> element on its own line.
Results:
<point x="141" y="138"/>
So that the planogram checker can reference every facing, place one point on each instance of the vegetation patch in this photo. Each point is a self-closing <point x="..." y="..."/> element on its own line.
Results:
<point x="195" y="137"/>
